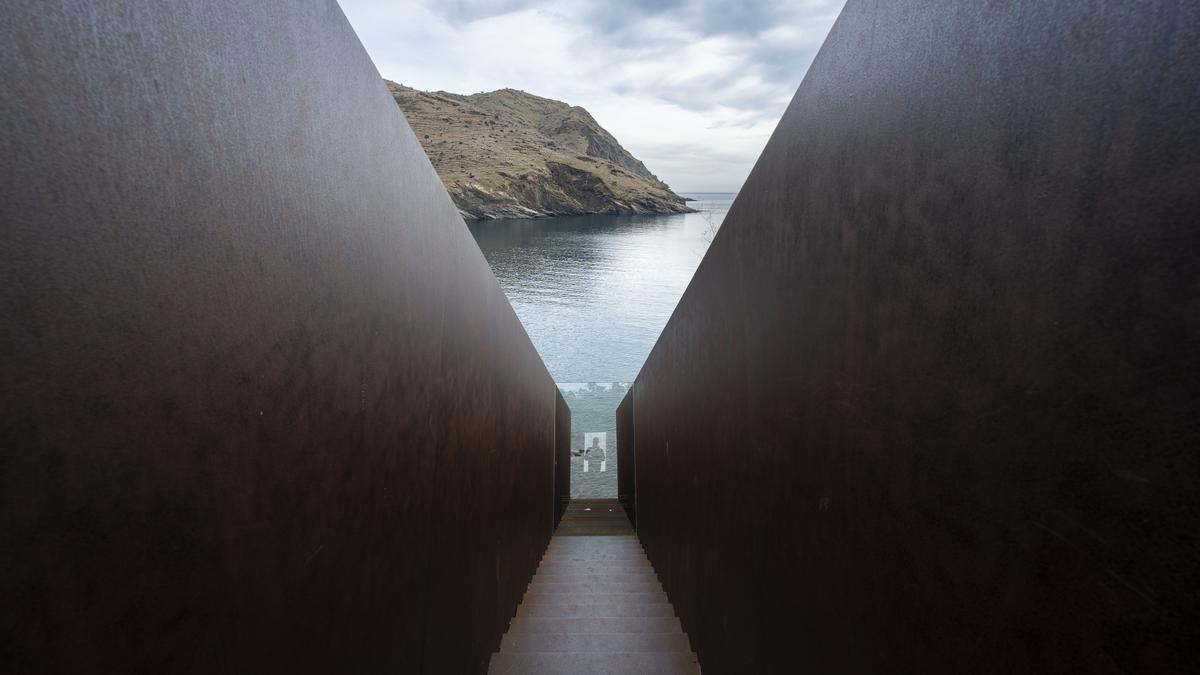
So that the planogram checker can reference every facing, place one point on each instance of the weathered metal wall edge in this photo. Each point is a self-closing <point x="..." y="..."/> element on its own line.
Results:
<point x="265" y="408"/>
<point x="562" y="454"/>
<point x="930" y="402"/>
<point x="626" y="464"/>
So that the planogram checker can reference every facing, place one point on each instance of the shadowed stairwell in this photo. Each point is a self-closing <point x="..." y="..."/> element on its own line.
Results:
<point x="595" y="605"/>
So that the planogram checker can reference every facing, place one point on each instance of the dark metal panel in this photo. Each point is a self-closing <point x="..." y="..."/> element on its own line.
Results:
<point x="562" y="456"/>
<point x="626" y="466"/>
<point x="264" y="406"/>
<point x="930" y="402"/>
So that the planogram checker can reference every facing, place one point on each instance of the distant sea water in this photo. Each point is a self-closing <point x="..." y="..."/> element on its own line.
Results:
<point x="594" y="292"/>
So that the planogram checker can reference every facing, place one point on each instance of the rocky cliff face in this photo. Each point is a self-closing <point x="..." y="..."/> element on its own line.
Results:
<point x="509" y="154"/>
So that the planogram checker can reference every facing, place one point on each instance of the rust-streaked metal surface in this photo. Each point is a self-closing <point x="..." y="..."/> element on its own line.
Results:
<point x="930" y="404"/>
<point x="626" y="466"/>
<point x="264" y="406"/>
<point x="562" y="456"/>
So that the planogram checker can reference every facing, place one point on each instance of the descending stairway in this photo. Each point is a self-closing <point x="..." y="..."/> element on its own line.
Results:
<point x="595" y="605"/>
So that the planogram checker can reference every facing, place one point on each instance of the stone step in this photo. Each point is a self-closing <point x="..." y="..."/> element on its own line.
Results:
<point x="594" y="567"/>
<point x="605" y="574"/>
<point x="609" y="519"/>
<point x="594" y="625"/>
<point x="614" y="517"/>
<point x="593" y="663"/>
<point x="596" y="515"/>
<point x="584" y="558"/>
<point x="596" y="642"/>
<point x="583" y="561"/>
<point x="592" y="558"/>
<point x="591" y="586"/>
<point x="562" y="599"/>
<point x="593" y="549"/>
<point x="600" y="610"/>
<point x="595" y="518"/>
<point x="650" y="596"/>
<point x="629" y="561"/>
<point x="624" y="539"/>
<point x="646" y="575"/>
<point x="589" y="545"/>
<point x="614" y="550"/>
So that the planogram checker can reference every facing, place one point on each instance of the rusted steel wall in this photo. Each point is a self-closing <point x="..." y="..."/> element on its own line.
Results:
<point x="626" y="481"/>
<point x="264" y="406"/>
<point x="930" y="403"/>
<point x="562" y="455"/>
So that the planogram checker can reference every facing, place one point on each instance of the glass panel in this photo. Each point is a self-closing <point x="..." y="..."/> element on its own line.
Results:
<point x="593" y="436"/>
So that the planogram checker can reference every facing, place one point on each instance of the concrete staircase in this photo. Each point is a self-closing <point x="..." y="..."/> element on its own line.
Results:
<point x="595" y="605"/>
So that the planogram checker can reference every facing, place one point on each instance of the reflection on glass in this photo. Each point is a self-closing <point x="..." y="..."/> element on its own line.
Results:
<point x="593" y="437"/>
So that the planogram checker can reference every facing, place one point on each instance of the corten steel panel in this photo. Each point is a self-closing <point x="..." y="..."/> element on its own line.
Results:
<point x="626" y="482"/>
<point x="264" y="406"/>
<point x="930" y="402"/>
<point x="562" y="456"/>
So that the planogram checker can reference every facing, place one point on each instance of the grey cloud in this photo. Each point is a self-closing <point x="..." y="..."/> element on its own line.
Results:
<point x="619" y="18"/>
<point x="780" y="66"/>
<point x="457" y="12"/>
<point x="694" y="154"/>
<point x="706" y="17"/>
<point x="717" y="91"/>
<point x="625" y="25"/>
<point x="778" y="74"/>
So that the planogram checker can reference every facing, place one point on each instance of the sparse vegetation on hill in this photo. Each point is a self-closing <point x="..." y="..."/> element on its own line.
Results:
<point x="509" y="154"/>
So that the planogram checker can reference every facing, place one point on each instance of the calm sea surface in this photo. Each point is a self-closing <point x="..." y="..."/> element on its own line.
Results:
<point x="594" y="292"/>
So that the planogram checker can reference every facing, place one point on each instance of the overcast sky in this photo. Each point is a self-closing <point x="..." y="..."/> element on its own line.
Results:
<point x="691" y="87"/>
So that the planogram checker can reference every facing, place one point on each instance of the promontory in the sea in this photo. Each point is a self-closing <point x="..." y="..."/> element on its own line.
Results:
<point x="509" y="154"/>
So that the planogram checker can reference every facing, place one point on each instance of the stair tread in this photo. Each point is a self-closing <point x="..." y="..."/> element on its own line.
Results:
<point x="546" y="599"/>
<point x="540" y="604"/>
<point x="592" y="663"/>
<point x="561" y="576"/>
<point x="602" y="569"/>
<point x="593" y="560"/>
<point x="594" y="586"/>
<point x="590" y="560"/>
<point x="598" y="610"/>
<point x="595" y="642"/>
<point x="537" y="593"/>
<point x="599" y="625"/>
<point x="629" y="540"/>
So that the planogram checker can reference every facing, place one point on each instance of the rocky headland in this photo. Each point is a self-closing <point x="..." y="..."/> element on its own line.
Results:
<point x="510" y="154"/>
